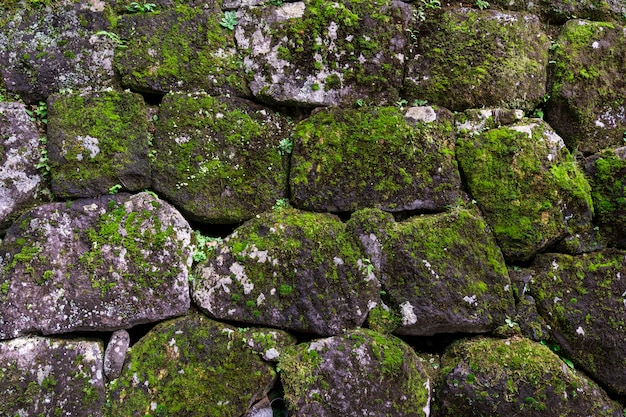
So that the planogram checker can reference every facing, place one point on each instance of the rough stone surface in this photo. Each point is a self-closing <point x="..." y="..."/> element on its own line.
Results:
<point x="51" y="377"/>
<point x="607" y="176"/>
<point x="515" y="377"/>
<point x="47" y="49"/>
<point x="440" y="273"/>
<point x="101" y="264"/>
<point x="191" y="366"/>
<point x="466" y="58"/>
<point x="527" y="185"/>
<point x="291" y="270"/>
<point x="346" y="159"/>
<point x="582" y="299"/>
<point x="179" y="48"/>
<point x="587" y="106"/>
<point x="20" y="181"/>
<point x="115" y="354"/>
<point x="219" y="159"/>
<point x="320" y="53"/>
<point x="96" y="141"/>
<point x="383" y="369"/>
<point x="559" y="11"/>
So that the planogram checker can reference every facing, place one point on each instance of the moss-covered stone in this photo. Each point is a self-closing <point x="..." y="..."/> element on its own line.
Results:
<point x="466" y="58"/>
<point x="51" y="377"/>
<point x="190" y="366"/>
<point x="179" y="48"/>
<point x="515" y="377"/>
<point x="346" y="159"/>
<point x="20" y="180"/>
<point x="582" y="298"/>
<point x="607" y="176"/>
<point x="379" y="375"/>
<point x="288" y="269"/>
<point x="526" y="184"/>
<point x="587" y="105"/>
<point x="317" y="52"/>
<point x="47" y="46"/>
<point x="90" y="265"/>
<point x="440" y="273"/>
<point x="219" y="159"/>
<point x="97" y="141"/>
<point x="559" y="11"/>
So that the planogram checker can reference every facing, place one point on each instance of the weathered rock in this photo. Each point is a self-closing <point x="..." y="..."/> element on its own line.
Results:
<point x="115" y="354"/>
<point x="47" y="49"/>
<point x="269" y="343"/>
<point x="101" y="264"/>
<point x="190" y="366"/>
<point x="587" y="106"/>
<point x="360" y="373"/>
<point x="582" y="299"/>
<point x="219" y="159"/>
<point x="607" y="177"/>
<point x="474" y="121"/>
<point x="319" y="53"/>
<point x="51" y="377"/>
<point x="291" y="270"/>
<point x="440" y="273"/>
<point x="515" y="377"/>
<point x="97" y="141"/>
<point x="347" y="159"/>
<point x="526" y="184"/>
<point x="559" y="11"/>
<point x="20" y="181"/>
<point x="177" y="49"/>
<point x="465" y="58"/>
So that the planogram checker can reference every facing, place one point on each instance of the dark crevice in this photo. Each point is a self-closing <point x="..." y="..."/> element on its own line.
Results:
<point x="215" y="230"/>
<point x="139" y="331"/>
<point x="435" y="344"/>
<point x="152" y="99"/>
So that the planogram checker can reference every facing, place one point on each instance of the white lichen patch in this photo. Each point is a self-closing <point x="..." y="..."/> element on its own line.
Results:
<point x="471" y="300"/>
<point x="238" y="271"/>
<point x="580" y="331"/>
<point x="90" y="144"/>
<point x="527" y="129"/>
<point x="424" y="114"/>
<point x="271" y="354"/>
<point x="408" y="314"/>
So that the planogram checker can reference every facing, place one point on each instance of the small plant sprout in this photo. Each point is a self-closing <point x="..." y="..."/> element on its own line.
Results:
<point x="510" y="322"/>
<point x="204" y="245"/>
<point x="419" y="103"/>
<point x="482" y="4"/>
<point x="135" y="7"/>
<point x="119" y="42"/>
<point x="285" y="146"/>
<point x="39" y="113"/>
<point x="229" y="21"/>
<point x="401" y="103"/>
<point x="115" y="189"/>
<point x="44" y="162"/>
<point x="281" y="203"/>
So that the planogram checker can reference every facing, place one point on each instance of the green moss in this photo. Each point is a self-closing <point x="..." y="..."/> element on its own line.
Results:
<point x="190" y="366"/>
<point x="219" y="158"/>
<point x="523" y="191"/>
<point x="392" y="162"/>
<point x="178" y="48"/>
<point x="467" y="69"/>
<point x="100" y="137"/>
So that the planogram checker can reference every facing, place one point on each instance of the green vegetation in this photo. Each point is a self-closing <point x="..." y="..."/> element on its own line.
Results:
<point x="229" y="21"/>
<point x="135" y="7"/>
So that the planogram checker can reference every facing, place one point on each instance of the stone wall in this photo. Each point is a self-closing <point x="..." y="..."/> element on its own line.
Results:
<point x="352" y="208"/>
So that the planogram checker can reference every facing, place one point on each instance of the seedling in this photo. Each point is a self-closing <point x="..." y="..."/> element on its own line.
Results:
<point x="229" y="21"/>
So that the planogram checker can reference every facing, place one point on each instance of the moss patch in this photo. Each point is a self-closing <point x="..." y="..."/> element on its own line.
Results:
<point x="527" y="185"/>
<point x="346" y="159"/>
<point x="190" y="366"/>
<point x="467" y="58"/>
<point x="97" y="141"/>
<point x="218" y="159"/>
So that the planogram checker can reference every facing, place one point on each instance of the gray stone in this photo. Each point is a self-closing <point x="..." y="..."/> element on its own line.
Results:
<point x="191" y="366"/>
<point x="316" y="53"/>
<point x="360" y="373"/>
<point x="51" y="377"/>
<point x="291" y="270"/>
<point x="515" y="377"/>
<point x="115" y="354"/>
<point x="466" y="58"/>
<point x="20" y="181"/>
<point x="439" y="273"/>
<point x="100" y="265"/>
<point x="582" y="299"/>
<point x="47" y="49"/>
<point x="219" y="159"/>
